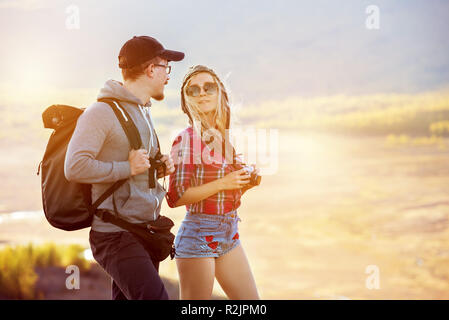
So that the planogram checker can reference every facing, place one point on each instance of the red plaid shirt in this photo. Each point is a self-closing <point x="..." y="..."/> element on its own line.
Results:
<point x="191" y="170"/>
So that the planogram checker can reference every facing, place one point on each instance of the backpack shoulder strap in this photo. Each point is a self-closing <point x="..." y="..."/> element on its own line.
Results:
<point x="134" y="139"/>
<point x="158" y="144"/>
<point x="127" y="123"/>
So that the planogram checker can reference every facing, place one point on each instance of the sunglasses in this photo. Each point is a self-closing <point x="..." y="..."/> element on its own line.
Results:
<point x="209" y="87"/>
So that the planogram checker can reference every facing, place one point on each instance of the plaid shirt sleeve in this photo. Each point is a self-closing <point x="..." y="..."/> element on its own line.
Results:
<point x="181" y="178"/>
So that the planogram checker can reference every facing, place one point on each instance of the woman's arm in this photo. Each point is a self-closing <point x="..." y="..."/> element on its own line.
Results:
<point x="196" y="194"/>
<point x="233" y="180"/>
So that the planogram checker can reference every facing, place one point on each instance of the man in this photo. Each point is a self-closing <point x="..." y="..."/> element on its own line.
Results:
<point x="99" y="153"/>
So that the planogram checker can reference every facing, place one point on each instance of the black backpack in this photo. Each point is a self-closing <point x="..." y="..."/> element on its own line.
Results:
<point x="68" y="205"/>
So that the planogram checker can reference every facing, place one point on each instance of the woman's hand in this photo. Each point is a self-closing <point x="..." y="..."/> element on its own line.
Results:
<point x="234" y="180"/>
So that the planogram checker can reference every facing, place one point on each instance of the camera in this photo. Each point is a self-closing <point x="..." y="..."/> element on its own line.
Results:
<point x="254" y="177"/>
<point x="155" y="163"/>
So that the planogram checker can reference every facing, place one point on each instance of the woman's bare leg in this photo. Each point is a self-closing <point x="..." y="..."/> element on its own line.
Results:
<point x="234" y="275"/>
<point x="196" y="278"/>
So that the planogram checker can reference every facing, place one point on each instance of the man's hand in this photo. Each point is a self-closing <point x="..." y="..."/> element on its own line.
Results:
<point x="138" y="161"/>
<point x="169" y="164"/>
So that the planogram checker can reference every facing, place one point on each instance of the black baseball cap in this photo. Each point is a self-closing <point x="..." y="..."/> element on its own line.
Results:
<point x="143" y="48"/>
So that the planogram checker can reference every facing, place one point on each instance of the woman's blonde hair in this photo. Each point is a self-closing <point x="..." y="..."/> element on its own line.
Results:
<point x="198" y="118"/>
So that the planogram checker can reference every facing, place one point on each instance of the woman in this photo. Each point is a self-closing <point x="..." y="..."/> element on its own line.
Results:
<point x="209" y="182"/>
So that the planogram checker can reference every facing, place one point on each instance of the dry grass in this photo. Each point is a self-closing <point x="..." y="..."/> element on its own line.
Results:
<point x="18" y="277"/>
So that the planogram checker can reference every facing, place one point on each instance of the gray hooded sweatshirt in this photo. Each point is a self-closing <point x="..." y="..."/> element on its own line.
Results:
<point x="98" y="154"/>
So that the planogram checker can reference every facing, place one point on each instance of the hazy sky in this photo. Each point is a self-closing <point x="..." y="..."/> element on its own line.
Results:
<point x="268" y="49"/>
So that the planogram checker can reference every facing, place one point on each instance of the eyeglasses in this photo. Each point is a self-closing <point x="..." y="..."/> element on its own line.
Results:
<point x="209" y="87"/>
<point x="167" y="68"/>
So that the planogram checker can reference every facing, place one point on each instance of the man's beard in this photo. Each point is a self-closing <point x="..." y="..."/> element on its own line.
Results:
<point x="159" y="97"/>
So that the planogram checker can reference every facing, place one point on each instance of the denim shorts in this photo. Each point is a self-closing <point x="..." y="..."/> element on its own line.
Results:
<point x="207" y="235"/>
